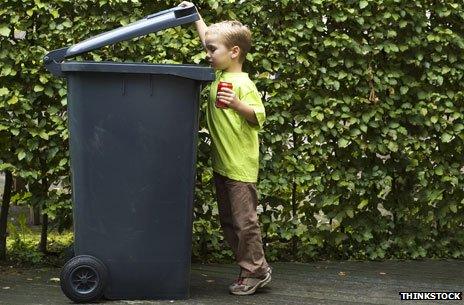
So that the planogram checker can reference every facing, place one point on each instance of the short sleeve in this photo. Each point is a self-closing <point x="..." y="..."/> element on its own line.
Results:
<point x="253" y="99"/>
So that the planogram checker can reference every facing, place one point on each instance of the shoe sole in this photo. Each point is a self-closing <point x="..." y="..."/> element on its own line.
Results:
<point x="266" y="281"/>
<point x="260" y="284"/>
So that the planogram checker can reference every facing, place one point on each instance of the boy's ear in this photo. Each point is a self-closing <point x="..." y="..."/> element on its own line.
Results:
<point x="235" y="52"/>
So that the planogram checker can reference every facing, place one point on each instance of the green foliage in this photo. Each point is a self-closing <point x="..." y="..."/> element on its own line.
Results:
<point x="362" y="152"/>
<point x="19" y="245"/>
<point x="22" y="244"/>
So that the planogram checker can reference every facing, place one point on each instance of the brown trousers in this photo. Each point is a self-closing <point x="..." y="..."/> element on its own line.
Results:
<point x="237" y="202"/>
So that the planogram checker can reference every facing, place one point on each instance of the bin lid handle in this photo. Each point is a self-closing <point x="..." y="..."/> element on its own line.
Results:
<point x="149" y="24"/>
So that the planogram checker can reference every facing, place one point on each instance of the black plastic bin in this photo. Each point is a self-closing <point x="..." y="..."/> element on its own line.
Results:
<point x="133" y="135"/>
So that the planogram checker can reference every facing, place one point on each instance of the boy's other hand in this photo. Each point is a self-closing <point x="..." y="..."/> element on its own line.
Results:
<point x="229" y="98"/>
<point x="186" y="4"/>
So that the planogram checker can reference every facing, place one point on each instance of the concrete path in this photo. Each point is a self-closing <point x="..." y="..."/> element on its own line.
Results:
<point x="293" y="283"/>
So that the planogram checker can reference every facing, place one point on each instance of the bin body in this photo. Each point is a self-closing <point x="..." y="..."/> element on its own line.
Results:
<point x="133" y="139"/>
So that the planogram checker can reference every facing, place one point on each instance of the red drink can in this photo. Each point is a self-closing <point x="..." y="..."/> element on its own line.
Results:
<point x="220" y="104"/>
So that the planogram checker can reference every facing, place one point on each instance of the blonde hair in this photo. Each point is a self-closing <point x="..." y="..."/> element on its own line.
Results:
<point x="233" y="33"/>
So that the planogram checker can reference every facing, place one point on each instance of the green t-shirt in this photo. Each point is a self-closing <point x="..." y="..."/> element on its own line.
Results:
<point x="235" y="144"/>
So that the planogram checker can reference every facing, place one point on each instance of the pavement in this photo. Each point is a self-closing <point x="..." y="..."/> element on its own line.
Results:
<point x="327" y="282"/>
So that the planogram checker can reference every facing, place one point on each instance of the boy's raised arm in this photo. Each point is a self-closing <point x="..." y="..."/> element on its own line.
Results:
<point x="199" y="24"/>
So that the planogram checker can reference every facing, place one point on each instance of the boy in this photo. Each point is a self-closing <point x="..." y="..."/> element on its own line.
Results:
<point x="235" y="148"/>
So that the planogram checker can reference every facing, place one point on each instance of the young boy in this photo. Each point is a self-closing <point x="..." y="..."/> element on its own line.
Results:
<point x="235" y="148"/>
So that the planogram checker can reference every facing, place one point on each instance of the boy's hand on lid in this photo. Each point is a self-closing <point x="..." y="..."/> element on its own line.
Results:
<point x="186" y="4"/>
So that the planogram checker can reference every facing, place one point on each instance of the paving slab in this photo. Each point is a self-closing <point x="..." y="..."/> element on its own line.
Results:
<point x="328" y="282"/>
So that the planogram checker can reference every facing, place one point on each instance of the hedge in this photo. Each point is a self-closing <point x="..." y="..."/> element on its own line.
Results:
<point x="362" y="152"/>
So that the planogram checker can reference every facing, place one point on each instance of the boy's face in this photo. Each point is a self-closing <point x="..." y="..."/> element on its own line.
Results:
<point x="218" y="54"/>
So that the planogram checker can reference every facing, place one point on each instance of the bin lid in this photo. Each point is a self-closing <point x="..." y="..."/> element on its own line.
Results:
<point x="194" y="72"/>
<point x="151" y="23"/>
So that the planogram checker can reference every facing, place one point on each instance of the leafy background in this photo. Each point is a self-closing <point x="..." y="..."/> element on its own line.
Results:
<point x="362" y="151"/>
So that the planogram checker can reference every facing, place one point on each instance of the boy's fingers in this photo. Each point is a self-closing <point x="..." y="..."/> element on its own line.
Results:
<point x="225" y="94"/>
<point x="186" y="4"/>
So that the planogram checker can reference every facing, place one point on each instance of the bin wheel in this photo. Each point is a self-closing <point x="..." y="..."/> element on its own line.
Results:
<point x="83" y="279"/>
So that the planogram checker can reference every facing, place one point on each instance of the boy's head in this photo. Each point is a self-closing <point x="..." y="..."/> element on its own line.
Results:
<point x="227" y="42"/>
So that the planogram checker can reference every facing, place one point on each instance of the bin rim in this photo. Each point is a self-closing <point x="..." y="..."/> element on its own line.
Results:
<point x="191" y="71"/>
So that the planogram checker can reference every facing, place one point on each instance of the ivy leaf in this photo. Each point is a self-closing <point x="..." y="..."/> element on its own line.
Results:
<point x="21" y="155"/>
<point x="363" y="4"/>
<point x="393" y="146"/>
<point x="38" y="88"/>
<point x="350" y="213"/>
<point x="362" y="204"/>
<point x="404" y="90"/>
<point x="4" y="91"/>
<point x="439" y="170"/>
<point x="54" y="13"/>
<point x="4" y="30"/>
<point x="446" y="137"/>
<point x="44" y="135"/>
<point x="267" y="65"/>
<point x="6" y="166"/>
<point x="343" y="143"/>
<point x="13" y="100"/>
